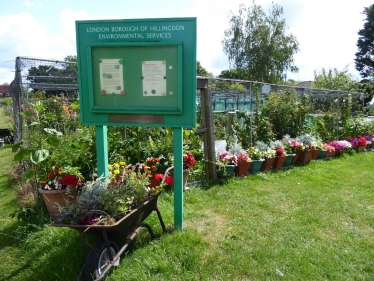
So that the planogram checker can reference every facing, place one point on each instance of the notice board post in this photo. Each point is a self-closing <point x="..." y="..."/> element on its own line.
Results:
<point x="139" y="72"/>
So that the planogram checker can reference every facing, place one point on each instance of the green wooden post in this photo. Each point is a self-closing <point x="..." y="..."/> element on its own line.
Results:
<point x="102" y="150"/>
<point x="178" y="179"/>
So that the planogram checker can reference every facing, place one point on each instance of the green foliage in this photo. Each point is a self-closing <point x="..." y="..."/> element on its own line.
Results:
<point x="357" y="126"/>
<point x="364" y="57"/>
<point x="287" y="112"/>
<point x="232" y="74"/>
<point x="330" y="125"/>
<point x="5" y="102"/>
<point x="334" y="79"/>
<point x="201" y="71"/>
<point x="257" y="44"/>
<point x="219" y="123"/>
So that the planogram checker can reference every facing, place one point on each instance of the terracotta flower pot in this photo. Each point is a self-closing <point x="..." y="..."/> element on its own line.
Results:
<point x="279" y="162"/>
<point x="53" y="198"/>
<point x="305" y="157"/>
<point x="268" y="163"/>
<point x="153" y="182"/>
<point x="185" y="179"/>
<point x="242" y="168"/>
<point x="315" y="153"/>
<point x="330" y="154"/>
<point x="361" y="148"/>
<point x="295" y="158"/>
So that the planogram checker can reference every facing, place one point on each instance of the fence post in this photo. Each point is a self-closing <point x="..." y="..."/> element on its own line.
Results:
<point x="229" y="124"/>
<point x="208" y="137"/>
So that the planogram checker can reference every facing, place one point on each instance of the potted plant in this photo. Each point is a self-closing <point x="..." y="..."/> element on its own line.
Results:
<point x="280" y="154"/>
<point x="317" y="147"/>
<point x="62" y="185"/>
<point x="268" y="154"/>
<point x="244" y="163"/>
<point x="257" y="157"/>
<point x="341" y="146"/>
<point x="358" y="143"/>
<point x="306" y="140"/>
<point x="188" y="163"/>
<point x="155" y="168"/>
<point x="288" y="144"/>
<point x="369" y="139"/>
<point x="330" y="150"/>
<point x="226" y="162"/>
<point x="293" y="147"/>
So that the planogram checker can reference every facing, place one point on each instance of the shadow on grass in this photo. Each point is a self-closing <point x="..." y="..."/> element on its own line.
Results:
<point x="45" y="254"/>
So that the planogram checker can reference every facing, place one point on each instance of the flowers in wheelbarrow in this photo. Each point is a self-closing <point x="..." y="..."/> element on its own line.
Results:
<point x="101" y="202"/>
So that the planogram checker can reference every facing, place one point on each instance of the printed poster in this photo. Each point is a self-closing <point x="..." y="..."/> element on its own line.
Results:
<point x="111" y="76"/>
<point x="154" y="78"/>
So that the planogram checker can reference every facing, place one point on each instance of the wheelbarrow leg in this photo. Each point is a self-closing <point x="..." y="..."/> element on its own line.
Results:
<point x="148" y="227"/>
<point x="157" y="209"/>
<point x="103" y="232"/>
<point x="84" y="243"/>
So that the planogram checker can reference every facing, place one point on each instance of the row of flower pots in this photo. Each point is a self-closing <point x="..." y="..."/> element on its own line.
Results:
<point x="243" y="168"/>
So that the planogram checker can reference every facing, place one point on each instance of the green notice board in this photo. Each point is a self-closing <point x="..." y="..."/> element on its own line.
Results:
<point x="137" y="72"/>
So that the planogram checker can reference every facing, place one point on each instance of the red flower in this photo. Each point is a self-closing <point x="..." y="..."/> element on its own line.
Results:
<point x="169" y="180"/>
<point x="159" y="177"/>
<point x="188" y="160"/>
<point x="279" y="151"/>
<point x="70" y="180"/>
<point x="52" y="176"/>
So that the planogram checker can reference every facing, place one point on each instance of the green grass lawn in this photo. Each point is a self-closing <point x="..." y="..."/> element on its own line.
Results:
<point x="312" y="222"/>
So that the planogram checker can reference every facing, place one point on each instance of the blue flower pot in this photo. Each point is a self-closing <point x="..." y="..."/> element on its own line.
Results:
<point x="227" y="172"/>
<point x="256" y="166"/>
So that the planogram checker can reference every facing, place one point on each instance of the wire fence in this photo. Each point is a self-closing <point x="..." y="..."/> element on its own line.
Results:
<point x="52" y="77"/>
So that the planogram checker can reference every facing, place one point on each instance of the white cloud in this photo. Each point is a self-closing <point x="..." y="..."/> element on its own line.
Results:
<point x="33" y="4"/>
<point x="326" y="31"/>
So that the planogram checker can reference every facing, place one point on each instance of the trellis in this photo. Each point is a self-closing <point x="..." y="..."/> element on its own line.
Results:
<point x="209" y="98"/>
<point x="48" y="80"/>
<point x="225" y="99"/>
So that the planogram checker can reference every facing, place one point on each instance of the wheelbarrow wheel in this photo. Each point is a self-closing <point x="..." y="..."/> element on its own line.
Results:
<point x="97" y="259"/>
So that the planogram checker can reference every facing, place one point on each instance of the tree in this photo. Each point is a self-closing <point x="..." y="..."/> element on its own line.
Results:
<point x="232" y="74"/>
<point x="201" y="71"/>
<point x="334" y="79"/>
<point x="364" y="61"/>
<point x="256" y="43"/>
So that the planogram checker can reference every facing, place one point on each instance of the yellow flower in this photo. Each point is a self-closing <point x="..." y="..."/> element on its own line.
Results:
<point x="109" y="167"/>
<point x="122" y="163"/>
<point x="116" y="172"/>
<point x="116" y="165"/>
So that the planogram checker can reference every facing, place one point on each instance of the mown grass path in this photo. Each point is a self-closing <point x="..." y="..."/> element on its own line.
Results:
<point x="312" y="222"/>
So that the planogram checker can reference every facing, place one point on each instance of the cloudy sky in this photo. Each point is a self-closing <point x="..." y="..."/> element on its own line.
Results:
<point x="325" y="29"/>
